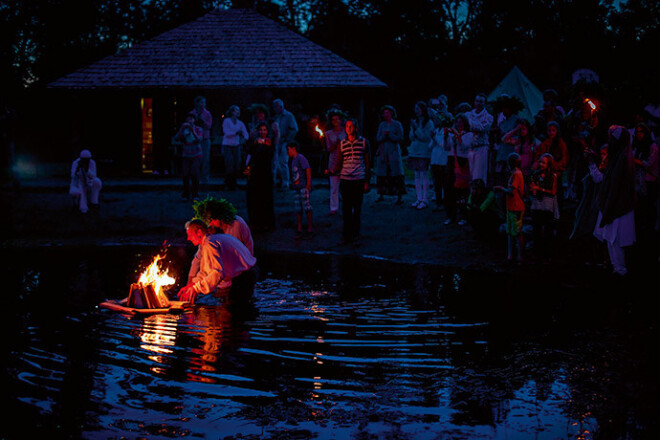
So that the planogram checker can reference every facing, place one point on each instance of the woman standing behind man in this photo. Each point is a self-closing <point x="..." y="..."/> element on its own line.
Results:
<point x="389" y="166"/>
<point x="333" y="138"/>
<point x="234" y="134"/>
<point x="419" y="152"/>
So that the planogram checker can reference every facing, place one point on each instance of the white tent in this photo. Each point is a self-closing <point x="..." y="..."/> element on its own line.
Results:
<point x="517" y="84"/>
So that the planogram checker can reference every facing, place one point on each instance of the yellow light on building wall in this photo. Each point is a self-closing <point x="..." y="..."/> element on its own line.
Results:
<point x="146" y="106"/>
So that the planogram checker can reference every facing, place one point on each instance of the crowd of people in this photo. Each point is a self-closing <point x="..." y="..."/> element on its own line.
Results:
<point x="481" y="163"/>
<point x="501" y="169"/>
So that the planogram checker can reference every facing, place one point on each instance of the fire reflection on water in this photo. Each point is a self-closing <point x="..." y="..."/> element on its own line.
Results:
<point x="453" y="358"/>
<point x="158" y="335"/>
<point x="216" y="334"/>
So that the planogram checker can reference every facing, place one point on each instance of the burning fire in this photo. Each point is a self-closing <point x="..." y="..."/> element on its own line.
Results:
<point x="318" y="130"/>
<point x="590" y="103"/>
<point x="156" y="277"/>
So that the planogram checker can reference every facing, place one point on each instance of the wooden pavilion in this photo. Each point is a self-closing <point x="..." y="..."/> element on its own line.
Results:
<point x="128" y="105"/>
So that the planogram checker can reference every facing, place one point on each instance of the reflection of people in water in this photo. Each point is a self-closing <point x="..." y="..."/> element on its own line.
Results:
<point x="222" y="263"/>
<point x="222" y="333"/>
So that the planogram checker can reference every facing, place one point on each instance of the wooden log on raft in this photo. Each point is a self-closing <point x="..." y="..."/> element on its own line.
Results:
<point x="145" y="297"/>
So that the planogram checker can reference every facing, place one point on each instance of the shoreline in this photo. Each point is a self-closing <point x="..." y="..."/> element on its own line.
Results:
<point x="148" y="212"/>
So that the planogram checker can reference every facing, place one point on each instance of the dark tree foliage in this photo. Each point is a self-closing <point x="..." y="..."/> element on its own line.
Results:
<point x="421" y="48"/>
<point x="46" y="39"/>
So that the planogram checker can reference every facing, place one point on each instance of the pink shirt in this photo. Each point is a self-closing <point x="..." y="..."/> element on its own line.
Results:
<point x="241" y="230"/>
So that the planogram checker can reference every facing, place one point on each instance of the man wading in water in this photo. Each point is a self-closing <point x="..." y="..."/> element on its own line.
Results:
<point x="222" y="264"/>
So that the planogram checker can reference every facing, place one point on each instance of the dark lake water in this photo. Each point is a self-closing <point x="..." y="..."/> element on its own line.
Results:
<point x="335" y="348"/>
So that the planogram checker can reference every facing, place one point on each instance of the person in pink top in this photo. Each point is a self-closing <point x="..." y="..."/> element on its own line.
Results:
<point x="203" y="120"/>
<point x="515" y="208"/>
<point x="220" y="216"/>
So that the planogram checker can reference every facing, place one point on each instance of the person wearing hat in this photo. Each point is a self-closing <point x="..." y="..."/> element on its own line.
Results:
<point x="85" y="185"/>
<point x="389" y="166"/>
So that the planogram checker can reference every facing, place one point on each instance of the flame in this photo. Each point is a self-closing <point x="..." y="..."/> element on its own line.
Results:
<point x="590" y="103"/>
<point x="155" y="276"/>
<point x="318" y="130"/>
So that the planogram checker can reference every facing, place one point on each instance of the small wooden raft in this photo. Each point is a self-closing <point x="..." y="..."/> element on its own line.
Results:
<point x="122" y="306"/>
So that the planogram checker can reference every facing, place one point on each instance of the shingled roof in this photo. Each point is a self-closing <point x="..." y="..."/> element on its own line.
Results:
<point x="233" y="48"/>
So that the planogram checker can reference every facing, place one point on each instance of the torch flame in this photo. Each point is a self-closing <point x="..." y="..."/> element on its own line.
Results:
<point x="318" y="130"/>
<point x="155" y="276"/>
